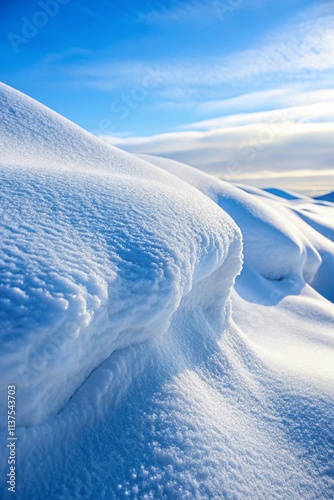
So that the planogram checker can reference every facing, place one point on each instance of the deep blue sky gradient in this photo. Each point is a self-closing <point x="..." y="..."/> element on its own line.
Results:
<point x="56" y="65"/>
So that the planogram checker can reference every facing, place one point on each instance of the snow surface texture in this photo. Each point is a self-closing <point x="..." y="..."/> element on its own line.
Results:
<point x="93" y="258"/>
<point x="151" y="367"/>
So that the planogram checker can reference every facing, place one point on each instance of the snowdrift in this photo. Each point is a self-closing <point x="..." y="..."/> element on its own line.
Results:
<point x="278" y="245"/>
<point x="171" y="334"/>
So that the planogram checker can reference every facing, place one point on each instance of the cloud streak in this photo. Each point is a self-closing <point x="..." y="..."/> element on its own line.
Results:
<point x="291" y="146"/>
<point x="196" y="10"/>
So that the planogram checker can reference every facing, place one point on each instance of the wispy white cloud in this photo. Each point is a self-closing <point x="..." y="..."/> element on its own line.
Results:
<point x="320" y="109"/>
<point x="196" y="10"/>
<point x="281" y="97"/>
<point x="286" y="96"/>
<point x="258" y="148"/>
<point x="178" y="12"/>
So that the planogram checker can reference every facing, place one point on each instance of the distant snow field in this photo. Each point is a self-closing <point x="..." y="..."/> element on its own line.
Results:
<point x="170" y="335"/>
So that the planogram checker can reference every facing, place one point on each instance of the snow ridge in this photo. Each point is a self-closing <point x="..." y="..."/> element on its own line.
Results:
<point x="98" y="250"/>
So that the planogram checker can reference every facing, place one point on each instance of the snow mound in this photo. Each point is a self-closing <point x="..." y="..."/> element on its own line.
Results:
<point x="288" y="261"/>
<point x="98" y="251"/>
<point x="274" y="245"/>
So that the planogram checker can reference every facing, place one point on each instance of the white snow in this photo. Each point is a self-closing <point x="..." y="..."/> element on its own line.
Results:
<point x="154" y="369"/>
<point x="94" y="257"/>
<point x="283" y="238"/>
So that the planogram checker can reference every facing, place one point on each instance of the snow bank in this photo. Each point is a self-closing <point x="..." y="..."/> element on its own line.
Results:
<point x="98" y="250"/>
<point x="288" y="261"/>
<point x="274" y="246"/>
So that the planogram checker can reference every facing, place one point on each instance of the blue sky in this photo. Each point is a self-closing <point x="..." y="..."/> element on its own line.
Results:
<point x="149" y="67"/>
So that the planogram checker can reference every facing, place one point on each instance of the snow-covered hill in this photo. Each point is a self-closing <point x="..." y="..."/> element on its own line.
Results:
<point x="99" y="249"/>
<point x="145" y="365"/>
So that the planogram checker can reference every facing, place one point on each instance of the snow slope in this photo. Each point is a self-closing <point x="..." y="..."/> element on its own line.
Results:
<point x="98" y="251"/>
<point x="284" y="238"/>
<point x="152" y="368"/>
<point x="288" y="263"/>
